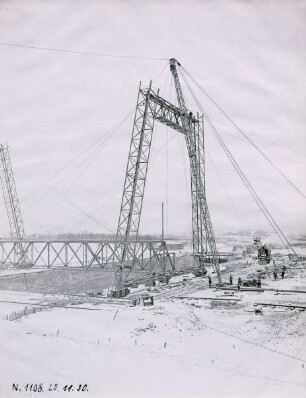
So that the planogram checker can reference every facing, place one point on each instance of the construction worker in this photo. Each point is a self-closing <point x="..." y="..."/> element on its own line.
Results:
<point x="275" y="275"/>
<point x="209" y="280"/>
<point x="239" y="281"/>
<point x="283" y="273"/>
<point x="259" y="282"/>
<point x="231" y="279"/>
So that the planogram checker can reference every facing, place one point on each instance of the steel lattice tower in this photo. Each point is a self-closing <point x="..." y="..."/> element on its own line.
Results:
<point x="12" y="205"/>
<point x="150" y="107"/>
<point x="134" y="185"/>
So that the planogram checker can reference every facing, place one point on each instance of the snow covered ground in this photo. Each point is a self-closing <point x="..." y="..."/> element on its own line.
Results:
<point x="208" y="344"/>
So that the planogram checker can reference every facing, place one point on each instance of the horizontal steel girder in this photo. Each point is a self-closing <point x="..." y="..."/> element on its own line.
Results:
<point x="80" y="253"/>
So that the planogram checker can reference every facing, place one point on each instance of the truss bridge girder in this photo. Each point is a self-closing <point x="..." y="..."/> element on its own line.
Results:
<point x="87" y="254"/>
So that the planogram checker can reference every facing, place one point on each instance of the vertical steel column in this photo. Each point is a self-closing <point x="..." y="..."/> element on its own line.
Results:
<point x="190" y="139"/>
<point x="134" y="185"/>
<point x="194" y="136"/>
<point x="208" y="240"/>
<point x="12" y="205"/>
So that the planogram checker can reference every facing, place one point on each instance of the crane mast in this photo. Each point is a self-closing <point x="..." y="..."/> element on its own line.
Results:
<point x="203" y="234"/>
<point x="178" y="88"/>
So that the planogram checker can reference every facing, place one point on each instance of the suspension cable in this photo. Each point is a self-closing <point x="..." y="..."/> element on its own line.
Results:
<point x="241" y="174"/>
<point x="243" y="133"/>
<point x="97" y="54"/>
<point x="93" y="147"/>
<point x="225" y="188"/>
<point x="92" y="150"/>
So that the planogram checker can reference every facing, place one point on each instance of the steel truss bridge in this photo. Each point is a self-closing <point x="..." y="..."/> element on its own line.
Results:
<point x="148" y="256"/>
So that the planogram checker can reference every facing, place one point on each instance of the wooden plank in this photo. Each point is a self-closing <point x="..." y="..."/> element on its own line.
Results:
<point x="280" y="305"/>
<point x="266" y="289"/>
<point x="209" y="298"/>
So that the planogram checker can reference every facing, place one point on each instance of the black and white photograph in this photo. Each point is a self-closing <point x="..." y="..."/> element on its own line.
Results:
<point x="153" y="198"/>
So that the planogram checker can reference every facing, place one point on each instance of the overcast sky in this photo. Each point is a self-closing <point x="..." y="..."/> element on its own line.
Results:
<point x="250" y="56"/>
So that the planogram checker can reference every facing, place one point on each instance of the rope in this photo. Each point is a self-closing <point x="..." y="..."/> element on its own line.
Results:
<point x="244" y="179"/>
<point x="225" y="188"/>
<point x="98" y="54"/>
<point x="264" y="139"/>
<point x="269" y="150"/>
<point x="239" y="338"/>
<point x="98" y="144"/>
<point x="84" y="212"/>
<point x="245" y="135"/>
